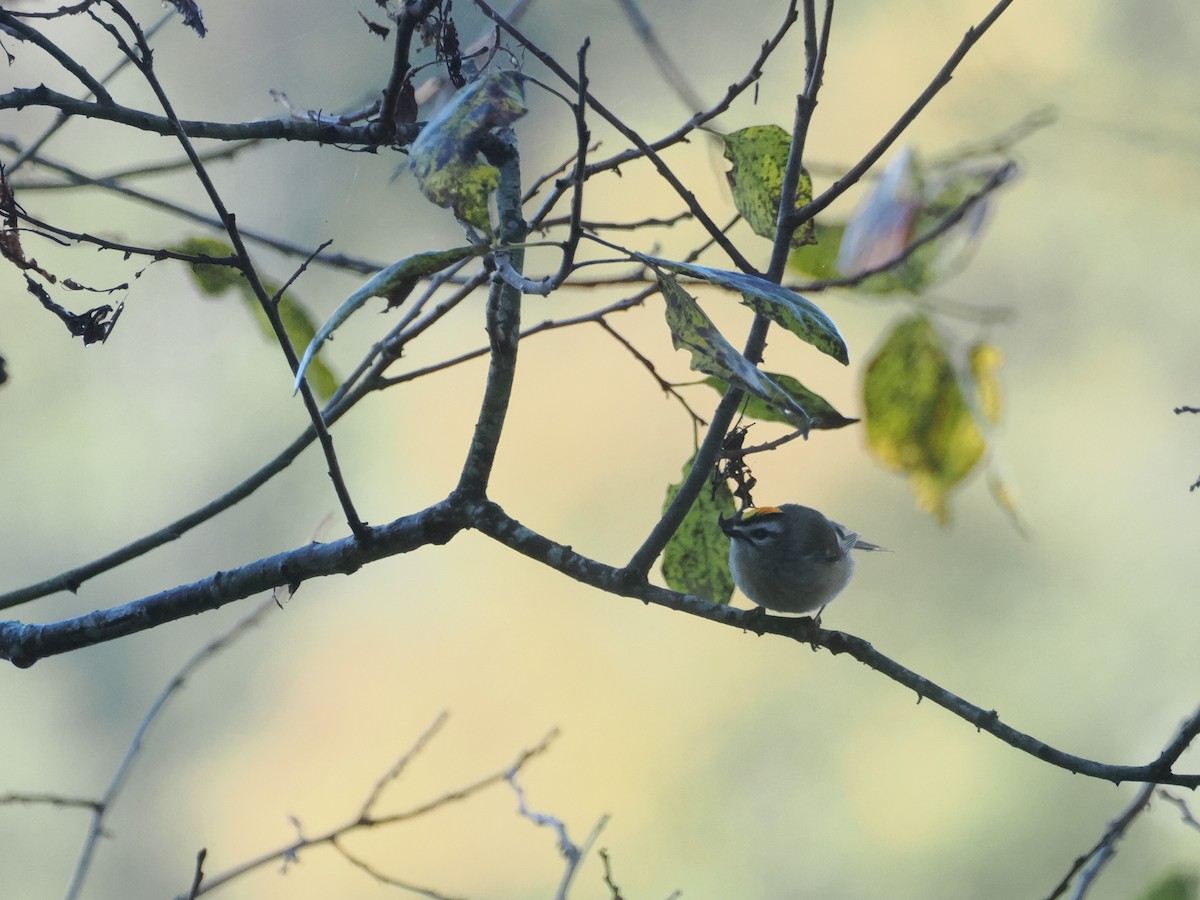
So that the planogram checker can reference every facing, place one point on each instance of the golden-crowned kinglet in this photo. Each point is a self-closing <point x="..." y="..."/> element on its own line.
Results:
<point x="790" y="558"/>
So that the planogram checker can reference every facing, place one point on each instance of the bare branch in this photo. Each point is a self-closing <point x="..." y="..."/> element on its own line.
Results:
<point x="198" y="877"/>
<point x="1087" y="867"/>
<point x="282" y="129"/>
<point x="1000" y="177"/>
<point x="401" y="764"/>
<point x="13" y="799"/>
<point x="675" y="77"/>
<point x="26" y="644"/>
<point x="18" y="29"/>
<point x="503" y="324"/>
<point x="490" y="519"/>
<point x="61" y="119"/>
<point x="1185" y="812"/>
<point x="334" y="835"/>
<point x="940" y="80"/>
<point x="142" y="61"/>
<point x="101" y="809"/>
<point x="412" y="14"/>
<point x="634" y="138"/>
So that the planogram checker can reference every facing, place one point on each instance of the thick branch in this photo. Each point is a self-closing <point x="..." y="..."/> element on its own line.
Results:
<point x="494" y="522"/>
<point x="503" y="323"/>
<point x="26" y="644"/>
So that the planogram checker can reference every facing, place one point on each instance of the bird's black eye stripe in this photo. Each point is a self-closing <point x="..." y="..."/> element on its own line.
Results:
<point x="759" y="534"/>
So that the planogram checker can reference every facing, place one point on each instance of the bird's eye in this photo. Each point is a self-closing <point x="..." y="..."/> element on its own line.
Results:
<point x="761" y="534"/>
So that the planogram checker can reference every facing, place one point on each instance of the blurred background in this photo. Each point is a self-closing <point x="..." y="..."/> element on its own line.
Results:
<point x="729" y="765"/>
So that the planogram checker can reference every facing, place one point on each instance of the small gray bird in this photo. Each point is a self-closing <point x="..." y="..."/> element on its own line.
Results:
<point x="790" y="558"/>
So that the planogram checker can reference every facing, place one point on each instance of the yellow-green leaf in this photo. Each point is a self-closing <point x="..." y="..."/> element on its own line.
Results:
<point x="819" y="259"/>
<point x="696" y="559"/>
<point x="986" y="360"/>
<point x="759" y="155"/>
<point x="797" y="314"/>
<point x="692" y="330"/>
<point x="918" y="421"/>
<point x="215" y="280"/>
<point x="820" y="410"/>
<point x="1173" y="886"/>
<point x="445" y="155"/>
<point x="393" y="283"/>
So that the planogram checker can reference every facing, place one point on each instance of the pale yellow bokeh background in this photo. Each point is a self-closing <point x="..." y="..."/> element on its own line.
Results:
<point x="731" y="765"/>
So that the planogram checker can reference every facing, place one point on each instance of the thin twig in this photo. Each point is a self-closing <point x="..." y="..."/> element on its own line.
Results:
<point x="50" y="800"/>
<point x="572" y="854"/>
<point x="632" y="136"/>
<point x="297" y="272"/>
<point x="334" y="835"/>
<point x="198" y="877"/>
<point x="674" y="76"/>
<point x="1000" y="177"/>
<point x="648" y="365"/>
<point x="1088" y="866"/>
<point x="141" y="59"/>
<point x="705" y="458"/>
<point x="125" y="767"/>
<point x="1185" y="811"/>
<point x="735" y="90"/>
<point x="401" y="764"/>
<point x="62" y="118"/>
<point x="940" y="80"/>
<point x="389" y="880"/>
<point x="635" y="225"/>
<point x="549" y="284"/>
<point x="27" y="33"/>
<point x="412" y="14"/>
<point x="77" y="178"/>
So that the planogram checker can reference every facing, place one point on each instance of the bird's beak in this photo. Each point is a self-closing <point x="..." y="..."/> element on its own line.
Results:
<point x="728" y="525"/>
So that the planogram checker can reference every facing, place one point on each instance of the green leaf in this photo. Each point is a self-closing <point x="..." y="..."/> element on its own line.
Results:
<point x="215" y="280"/>
<point x="696" y="559"/>
<point x="797" y="314"/>
<point x="821" y="411"/>
<point x="918" y="421"/>
<point x="212" y="280"/>
<point x="300" y="328"/>
<point x="819" y="259"/>
<point x="394" y="283"/>
<point x="759" y="155"/>
<point x="691" y="329"/>
<point x="1176" y="886"/>
<point x="445" y="155"/>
